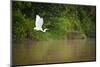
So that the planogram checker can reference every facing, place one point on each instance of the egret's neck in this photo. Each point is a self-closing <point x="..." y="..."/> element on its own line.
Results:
<point x="45" y="30"/>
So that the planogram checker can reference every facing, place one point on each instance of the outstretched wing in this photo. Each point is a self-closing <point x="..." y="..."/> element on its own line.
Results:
<point x="37" y="20"/>
<point x="40" y="22"/>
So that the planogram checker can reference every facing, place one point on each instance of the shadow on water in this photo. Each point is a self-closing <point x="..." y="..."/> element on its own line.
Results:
<point x="54" y="51"/>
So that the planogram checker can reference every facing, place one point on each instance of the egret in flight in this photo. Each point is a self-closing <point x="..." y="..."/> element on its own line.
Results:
<point x="39" y="23"/>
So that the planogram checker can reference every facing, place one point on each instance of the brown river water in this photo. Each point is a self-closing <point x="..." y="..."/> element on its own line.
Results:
<point x="54" y="51"/>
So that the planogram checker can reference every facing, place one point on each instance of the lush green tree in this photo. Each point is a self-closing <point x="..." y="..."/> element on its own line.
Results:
<point x="58" y="18"/>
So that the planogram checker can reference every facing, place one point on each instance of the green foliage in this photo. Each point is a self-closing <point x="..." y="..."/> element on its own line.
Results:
<point x="58" y="18"/>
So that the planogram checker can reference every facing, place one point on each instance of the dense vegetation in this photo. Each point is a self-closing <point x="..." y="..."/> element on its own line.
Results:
<point x="58" y="18"/>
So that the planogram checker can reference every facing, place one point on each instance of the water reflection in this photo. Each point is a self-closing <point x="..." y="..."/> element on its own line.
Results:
<point x="53" y="51"/>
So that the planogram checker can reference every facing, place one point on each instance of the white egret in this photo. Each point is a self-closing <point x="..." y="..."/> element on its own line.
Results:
<point x="38" y="24"/>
